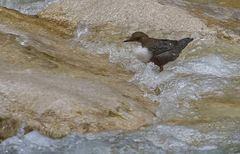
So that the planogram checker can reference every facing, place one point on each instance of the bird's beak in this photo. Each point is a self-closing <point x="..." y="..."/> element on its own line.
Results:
<point x="129" y="40"/>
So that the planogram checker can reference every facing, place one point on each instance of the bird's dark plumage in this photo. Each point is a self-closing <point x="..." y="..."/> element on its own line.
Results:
<point x="162" y="50"/>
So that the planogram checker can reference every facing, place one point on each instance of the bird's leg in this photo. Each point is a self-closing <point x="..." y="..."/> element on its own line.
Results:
<point x="161" y="68"/>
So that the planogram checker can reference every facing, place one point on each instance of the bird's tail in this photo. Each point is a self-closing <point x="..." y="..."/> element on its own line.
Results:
<point x="184" y="42"/>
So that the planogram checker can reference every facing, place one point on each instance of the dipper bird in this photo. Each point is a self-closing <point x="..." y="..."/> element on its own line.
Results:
<point x="158" y="51"/>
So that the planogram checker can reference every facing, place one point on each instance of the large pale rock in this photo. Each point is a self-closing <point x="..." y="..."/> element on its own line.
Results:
<point x="54" y="87"/>
<point x="133" y="14"/>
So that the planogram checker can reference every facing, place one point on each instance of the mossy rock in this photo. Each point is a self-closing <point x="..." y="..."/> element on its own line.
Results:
<point x="8" y="127"/>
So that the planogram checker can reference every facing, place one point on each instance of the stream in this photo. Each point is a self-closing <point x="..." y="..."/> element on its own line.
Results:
<point x="193" y="106"/>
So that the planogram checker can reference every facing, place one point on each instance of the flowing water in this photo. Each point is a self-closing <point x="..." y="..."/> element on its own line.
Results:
<point x="31" y="7"/>
<point x="196" y="97"/>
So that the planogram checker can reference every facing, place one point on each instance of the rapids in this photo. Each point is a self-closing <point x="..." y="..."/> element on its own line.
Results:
<point x="192" y="106"/>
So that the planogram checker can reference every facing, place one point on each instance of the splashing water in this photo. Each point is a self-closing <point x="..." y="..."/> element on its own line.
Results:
<point x="31" y="7"/>
<point x="207" y="68"/>
<point x="81" y="30"/>
<point x="203" y="69"/>
<point x="158" y="140"/>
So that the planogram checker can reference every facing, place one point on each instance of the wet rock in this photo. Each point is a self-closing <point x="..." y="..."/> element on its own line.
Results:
<point x="223" y="16"/>
<point x="41" y="25"/>
<point x="8" y="127"/>
<point x="131" y="14"/>
<point x="57" y="89"/>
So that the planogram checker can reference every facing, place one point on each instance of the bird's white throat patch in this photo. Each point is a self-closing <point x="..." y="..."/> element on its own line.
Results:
<point x="142" y="54"/>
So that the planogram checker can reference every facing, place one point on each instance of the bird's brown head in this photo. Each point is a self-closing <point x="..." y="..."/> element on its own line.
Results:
<point x="137" y="37"/>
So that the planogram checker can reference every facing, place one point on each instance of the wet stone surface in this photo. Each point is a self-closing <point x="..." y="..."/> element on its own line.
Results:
<point x="57" y="89"/>
<point x="91" y="83"/>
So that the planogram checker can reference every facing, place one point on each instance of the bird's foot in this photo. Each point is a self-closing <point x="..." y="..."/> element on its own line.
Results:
<point x="161" y="68"/>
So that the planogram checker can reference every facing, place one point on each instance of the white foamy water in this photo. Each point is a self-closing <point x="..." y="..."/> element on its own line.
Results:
<point x="197" y="73"/>
<point x="203" y="69"/>
<point x="82" y="29"/>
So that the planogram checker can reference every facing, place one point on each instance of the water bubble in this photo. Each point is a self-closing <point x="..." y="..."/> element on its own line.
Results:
<point x="21" y="131"/>
<point x="82" y="29"/>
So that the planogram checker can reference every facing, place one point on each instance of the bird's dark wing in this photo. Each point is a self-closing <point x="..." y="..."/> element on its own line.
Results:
<point x="163" y="58"/>
<point x="158" y="46"/>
